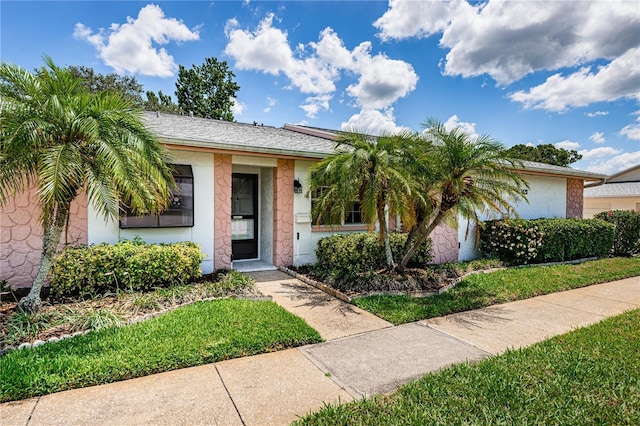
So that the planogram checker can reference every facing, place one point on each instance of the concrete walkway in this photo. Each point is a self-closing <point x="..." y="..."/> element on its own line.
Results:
<point x="363" y="355"/>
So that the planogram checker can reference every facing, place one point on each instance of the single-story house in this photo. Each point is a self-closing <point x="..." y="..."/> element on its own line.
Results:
<point x="243" y="198"/>
<point x="620" y="191"/>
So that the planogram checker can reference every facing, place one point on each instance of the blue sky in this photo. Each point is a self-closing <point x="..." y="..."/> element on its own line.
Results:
<point x="563" y="72"/>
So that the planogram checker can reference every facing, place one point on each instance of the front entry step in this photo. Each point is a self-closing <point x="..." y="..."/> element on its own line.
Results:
<point x="252" y="266"/>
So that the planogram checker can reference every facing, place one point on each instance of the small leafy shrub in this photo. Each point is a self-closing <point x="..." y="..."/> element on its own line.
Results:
<point x="546" y="240"/>
<point x="345" y="259"/>
<point x="513" y="241"/>
<point x="362" y="252"/>
<point x="626" y="240"/>
<point x="127" y="265"/>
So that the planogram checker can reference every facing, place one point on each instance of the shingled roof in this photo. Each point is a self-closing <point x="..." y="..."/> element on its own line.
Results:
<point x="531" y="167"/>
<point x="225" y="135"/>
<point x="613" y="190"/>
<point x="290" y="140"/>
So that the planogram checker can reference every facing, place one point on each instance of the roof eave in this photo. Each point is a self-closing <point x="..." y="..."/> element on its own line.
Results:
<point x="241" y="148"/>
<point x="587" y="176"/>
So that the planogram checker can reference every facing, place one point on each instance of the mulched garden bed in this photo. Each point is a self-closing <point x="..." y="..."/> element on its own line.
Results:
<point x="414" y="282"/>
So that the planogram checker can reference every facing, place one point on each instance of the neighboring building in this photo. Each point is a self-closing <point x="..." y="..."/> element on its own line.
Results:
<point x="620" y="191"/>
<point x="243" y="198"/>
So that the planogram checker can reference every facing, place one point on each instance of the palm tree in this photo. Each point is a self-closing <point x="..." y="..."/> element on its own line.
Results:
<point x="461" y="176"/>
<point x="369" y="170"/>
<point x="56" y="136"/>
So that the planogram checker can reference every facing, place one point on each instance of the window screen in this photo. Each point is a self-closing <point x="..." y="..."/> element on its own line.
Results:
<point x="180" y="210"/>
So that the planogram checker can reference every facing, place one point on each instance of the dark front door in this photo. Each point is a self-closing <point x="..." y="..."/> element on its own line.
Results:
<point x="244" y="216"/>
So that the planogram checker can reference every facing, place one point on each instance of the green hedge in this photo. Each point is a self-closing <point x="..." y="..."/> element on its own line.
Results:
<point x="546" y="240"/>
<point x="127" y="265"/>
<point x="626" y="241"/>
<point x="515" y="241"/>
<point x="356" y="253"/>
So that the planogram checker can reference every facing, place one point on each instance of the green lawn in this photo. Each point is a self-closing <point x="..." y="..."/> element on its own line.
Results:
<point x="589" y="376"/>
<point x="197" y="334"/>
<point x="480" y="290"/>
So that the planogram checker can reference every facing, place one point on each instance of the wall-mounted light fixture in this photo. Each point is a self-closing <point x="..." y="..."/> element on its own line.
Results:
<point x="297" y="186"/>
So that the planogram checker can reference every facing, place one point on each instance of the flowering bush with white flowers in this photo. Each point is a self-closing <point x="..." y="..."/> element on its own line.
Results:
<point x="546" y="240"/>
<point x="513" y="241"/>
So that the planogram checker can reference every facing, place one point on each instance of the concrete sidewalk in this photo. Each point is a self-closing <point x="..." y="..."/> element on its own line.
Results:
<point x="363" y="355"/>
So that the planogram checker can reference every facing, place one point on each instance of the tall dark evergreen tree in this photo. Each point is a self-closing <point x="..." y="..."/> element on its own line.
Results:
<point x="207" y="90"/>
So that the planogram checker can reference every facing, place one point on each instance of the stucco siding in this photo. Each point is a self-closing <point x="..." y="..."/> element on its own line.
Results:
<point x="445" y="244"/>
<point x="222" y="211"/>
<point x="575" y="200"/>
<point x="547" y="197"/>
<point x="21" y="236"/>
<point x="202" y="233"/>
<point x="283" y="213"/>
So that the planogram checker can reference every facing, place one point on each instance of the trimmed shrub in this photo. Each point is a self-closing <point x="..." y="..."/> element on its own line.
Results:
<point x="347" y="256"/>
<point x="514" y="241"/>
<point x="127" y="265"/>
<point x="349" y="262"/>
<point x="569" y="239"/>
<point x="546" y="240"/>
<point x="626" y="240"/>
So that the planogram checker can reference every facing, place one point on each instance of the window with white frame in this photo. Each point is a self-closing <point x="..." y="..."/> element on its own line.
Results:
<point x="352" y="217"/>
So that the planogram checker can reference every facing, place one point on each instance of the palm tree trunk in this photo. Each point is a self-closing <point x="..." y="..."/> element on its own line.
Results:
<point x="52" y="233"/>
<point x="422" y="234"/>
<point x="384" y="233"/>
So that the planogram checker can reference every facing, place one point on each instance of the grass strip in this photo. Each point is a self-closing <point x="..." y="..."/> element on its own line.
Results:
<point x="588" y="376"/>
<point x="193" y="335"/>
<point x="480" y="290"/>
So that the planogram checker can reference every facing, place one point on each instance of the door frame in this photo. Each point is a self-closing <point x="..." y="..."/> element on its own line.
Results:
<point x="237" y="245"/>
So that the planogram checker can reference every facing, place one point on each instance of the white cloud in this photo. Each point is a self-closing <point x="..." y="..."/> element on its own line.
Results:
<point x="415" y="19"/>
<point x="596" y="153"/>
<point x="315" y="104"/>
<point x="373" y="122"/>
<point x="596" y="113"/>
<point x="616" y="80"/>
<point x="631" y="131"/>
<point x="382" y="81"/>
<point x="616" y="164"/>
<point x="597" y="137"/>
<point x="453" y="123"/>
<point x="133" y="46"/>
<point x="316" y="67"/>
<point x="508" y="40"/>
<point x="267" y="49"/>
<point x="271" y="102"/>
<point x="567" y="144"/>
<point x="237" y="107"/>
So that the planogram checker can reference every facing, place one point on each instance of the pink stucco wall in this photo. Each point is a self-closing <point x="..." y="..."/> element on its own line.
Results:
<point x="445" y="244"/>
<point x="283" y="213"/>
<point x="575" y="198"/>
<point x="222" y="171"/>
<point x="21" y="236"/>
